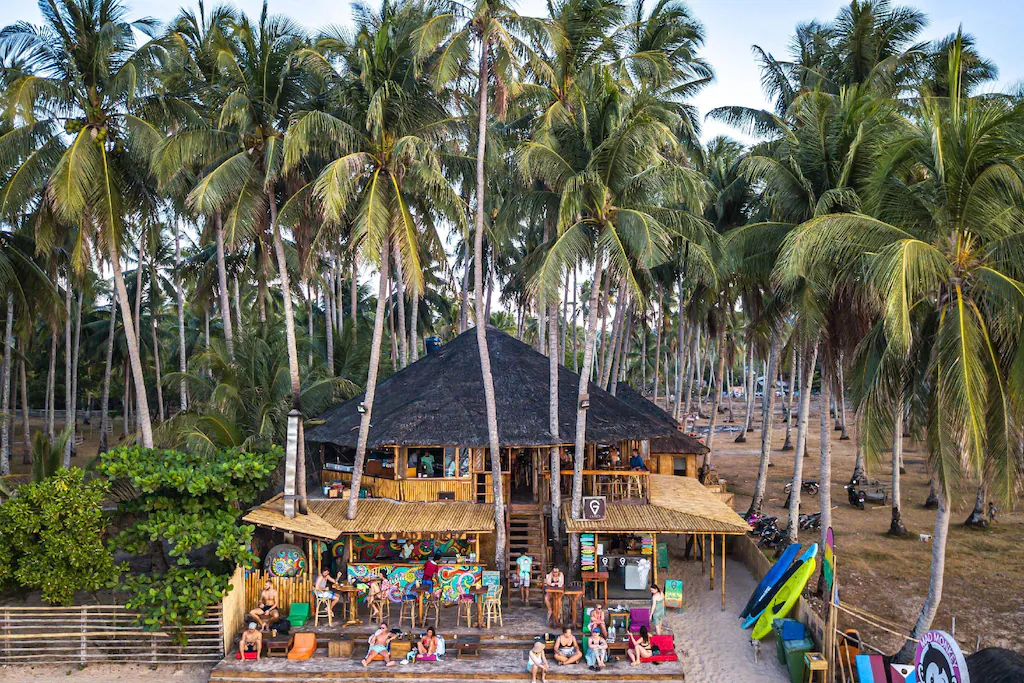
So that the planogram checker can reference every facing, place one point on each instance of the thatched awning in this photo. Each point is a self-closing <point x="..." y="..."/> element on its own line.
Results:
<point x="271" y="515"/>
<point x="677" y="442"/>
<point x="439" y="401"/>
<point x="380" y="516"/>
<point x="679" y="505"/>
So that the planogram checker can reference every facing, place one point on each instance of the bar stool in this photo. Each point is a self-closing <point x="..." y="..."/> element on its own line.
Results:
<point x="433" y="603"/>
<point x="410" y="604"/>
<point x="465" y="603"/>
<point x="814" y="662"/>
<point x="325" y="604"/>
<point x="492" y="607"/>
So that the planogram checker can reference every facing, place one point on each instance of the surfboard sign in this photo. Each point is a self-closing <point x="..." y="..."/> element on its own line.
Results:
<point x="938" y="659"/>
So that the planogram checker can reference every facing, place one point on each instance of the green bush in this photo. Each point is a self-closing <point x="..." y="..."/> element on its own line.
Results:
<point x="51" y="537"/>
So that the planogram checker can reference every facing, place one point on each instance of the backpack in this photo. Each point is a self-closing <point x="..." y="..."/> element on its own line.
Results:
<point x="283" y="626"/>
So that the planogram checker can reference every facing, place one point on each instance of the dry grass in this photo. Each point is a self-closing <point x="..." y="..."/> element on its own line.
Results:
<point x="984" y="579"/>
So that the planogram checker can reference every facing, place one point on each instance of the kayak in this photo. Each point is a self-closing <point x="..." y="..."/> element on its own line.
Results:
<point x="755" y="612"/>
<point x="771" y="578"/>
<point x="784" y="599"/>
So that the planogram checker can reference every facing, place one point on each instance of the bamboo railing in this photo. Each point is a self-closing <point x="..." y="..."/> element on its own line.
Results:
<point x="411" y="490"/>
<point x="85" y="634"/>
<point x="289" y="590"/>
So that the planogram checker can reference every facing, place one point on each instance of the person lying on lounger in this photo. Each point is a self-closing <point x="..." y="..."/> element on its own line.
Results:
<point x="379" y="642"/>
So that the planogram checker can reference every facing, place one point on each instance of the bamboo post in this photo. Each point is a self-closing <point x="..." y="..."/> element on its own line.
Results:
<point x="711" y="561"/>
<point x="703" y="555"/>
<point x="655" y="542"/>
<point x="723" y="571"/>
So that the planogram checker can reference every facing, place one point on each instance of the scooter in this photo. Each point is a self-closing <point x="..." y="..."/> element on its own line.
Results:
<point x="855" y="495"/>
<point x="809" y="522"/>
<point x="808" y="487"/>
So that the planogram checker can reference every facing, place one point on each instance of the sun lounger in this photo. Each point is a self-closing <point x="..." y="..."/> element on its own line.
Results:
<point x="302" y="646"/>
<point x="298" y="614"/>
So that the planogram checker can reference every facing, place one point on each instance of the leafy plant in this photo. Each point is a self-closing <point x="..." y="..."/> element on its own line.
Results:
<point x="188" y="502"/>
<point x="52" y="537"/>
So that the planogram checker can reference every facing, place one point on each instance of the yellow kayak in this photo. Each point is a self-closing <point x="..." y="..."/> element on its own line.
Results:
<point x="784" y="600"/>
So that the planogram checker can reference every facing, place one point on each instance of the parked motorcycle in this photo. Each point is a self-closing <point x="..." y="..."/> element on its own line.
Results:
<point x="809" y="522"/>
<point x="856" y="496"/>
<point x="809" y="487"/>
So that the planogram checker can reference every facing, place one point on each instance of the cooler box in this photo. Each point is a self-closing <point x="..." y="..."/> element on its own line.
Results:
<point x="795" y="650"/>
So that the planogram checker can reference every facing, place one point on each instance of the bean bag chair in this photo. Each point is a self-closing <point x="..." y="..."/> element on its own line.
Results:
<point x="639" y="617"/>
<point x="245" y="655"/>
<point x="666" y="648"/>
<point x="303" y="646"/>
<point x="298" y="614"/>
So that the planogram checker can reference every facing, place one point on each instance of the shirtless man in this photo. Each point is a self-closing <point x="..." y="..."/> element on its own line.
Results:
<point x="267" y="612"/>
<point x="379" y="642"/>
<point x="322" y="588"/>
<point x="251" y="641"/>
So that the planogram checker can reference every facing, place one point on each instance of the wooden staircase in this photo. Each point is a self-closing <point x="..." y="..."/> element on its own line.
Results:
<point x="527" y="534"/>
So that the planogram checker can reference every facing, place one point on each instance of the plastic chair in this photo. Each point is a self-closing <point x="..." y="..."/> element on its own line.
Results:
<point x="302" y="646"/>
<point x="465" y="605"/>
<point x="410" y="604"/>
<point x="323" y="603"/>
<point x="492" y="607"/>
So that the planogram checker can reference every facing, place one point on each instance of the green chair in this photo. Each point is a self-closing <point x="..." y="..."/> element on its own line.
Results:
<point x="298" y="614"/>
<point x="586" y="620"/>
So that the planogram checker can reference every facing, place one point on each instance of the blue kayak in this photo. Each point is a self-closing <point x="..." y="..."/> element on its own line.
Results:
<point x="771" y="578"/>
<point x="766" y="599"/>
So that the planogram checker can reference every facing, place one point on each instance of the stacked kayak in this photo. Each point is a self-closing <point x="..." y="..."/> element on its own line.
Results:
<point x="776" y="594"/>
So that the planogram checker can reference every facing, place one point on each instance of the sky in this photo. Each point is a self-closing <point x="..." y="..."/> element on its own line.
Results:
<point x="732" y="27"/>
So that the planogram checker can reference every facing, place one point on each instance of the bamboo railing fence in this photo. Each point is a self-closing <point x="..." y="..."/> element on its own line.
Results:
<point x="289" y="590"/>
<point x="85" y="634"/>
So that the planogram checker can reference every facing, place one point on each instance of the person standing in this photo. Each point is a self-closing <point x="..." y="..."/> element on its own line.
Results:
<point x="525" y="565"/>
<point x="657" y="608"/>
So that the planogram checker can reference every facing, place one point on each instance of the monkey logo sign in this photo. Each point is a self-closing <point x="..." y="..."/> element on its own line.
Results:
<point x="594" y="507"/>
<point x="939" y="659"/>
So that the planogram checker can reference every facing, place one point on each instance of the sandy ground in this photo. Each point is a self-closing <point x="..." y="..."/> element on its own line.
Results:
<point x="887" y="576"/>
<point x="710" y="642"/>
<point x="100" y="673"/>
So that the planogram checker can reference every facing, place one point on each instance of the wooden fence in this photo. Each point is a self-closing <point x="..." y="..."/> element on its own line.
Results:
<point x="85" y="634"/>
<point x="289" y="590"/>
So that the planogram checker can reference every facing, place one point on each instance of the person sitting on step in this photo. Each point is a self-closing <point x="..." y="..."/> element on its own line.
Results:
<point x="597" y="651"/>
<point x="597" y="620"/>
<point x="379" y="642"/>
<point x="567" y="648"/>
<point x="267" y="612"/>
<point x="537" y="663"/>
<point x="250" y="642"/>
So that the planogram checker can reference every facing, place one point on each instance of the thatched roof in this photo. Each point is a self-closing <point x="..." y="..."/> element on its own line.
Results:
<point x="439" y="401"/>
<point x="678" y="505"/>
<point x="996" y="665"/>
<point x="327" y="518"/>
<point x="678" y="442"/>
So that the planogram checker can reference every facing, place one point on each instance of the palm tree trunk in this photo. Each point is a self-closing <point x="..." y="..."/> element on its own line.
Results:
<point x="180" y="297"/>
<point x="809" y="360"/>
<point x="717" y="395"/>
<point x="353" y="292"/>
<point x="160" y="414"/>
<point x="236" y="300"/>
<point x="51" y="380"/>
<point x="464" y="311"/>
<point x="554" y="426"/>
<point x="825" y="474"/>
<point x="934" y="597"/>
<point x="5" y="408"/>
<point x="896" y="527"/>
<point x="69" y="349"/>
<point x="134" y="355"/>
<point x="608" y="359"/>
<point x="693" y="376"/>
<point x="604" y="302"/>
<point x="490" y="290"/>
<point x="329" y="325"/>
<point x="748" y="394"/>
<point x="680" y="358"/>
<point x="391" y="326"/>
<point x="107" y="372"/>
<point x="977" y="516"/>
<point x="403" y="340"/>
<point x="371" y="382"/>
<point x="583" y="391"/>
<point x="309" y="326"/>
<point x="859" y="470"/>
<point x="126" y="409"/>
<point x="293" y="351"/>
<point x="222" y="287"/>
<point x="483" y="315"/>
<point x="74" y="372"/>
<point x="26" y="452"/>
<point x="261" y="289"/>
<point x="841" y="402"/>
<point x="206" y="327"/>
<point x="575" y="348"/>
<point x="788" y="445"/>
<point x="766" y="431"/>
<point x="657" y="340"/>
<point x="565" y="322"/>
<point x="414" y="329"/>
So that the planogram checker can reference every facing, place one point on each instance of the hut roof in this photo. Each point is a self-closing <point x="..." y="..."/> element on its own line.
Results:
<point x="439" y="401"/>
<point x="678" y="505"/>
<point x="327" y="518"/>
<point x="381" y="516"/>
<point x="678" y="442"/>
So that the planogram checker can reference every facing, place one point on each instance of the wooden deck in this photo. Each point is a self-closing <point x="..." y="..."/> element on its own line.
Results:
<point x="503" y="657"/>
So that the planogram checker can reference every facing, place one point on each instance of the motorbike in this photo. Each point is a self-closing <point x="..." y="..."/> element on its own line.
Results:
<point x="809" y="522"/>
<point x="809" y="487"/>
<point x="856" y="496"/>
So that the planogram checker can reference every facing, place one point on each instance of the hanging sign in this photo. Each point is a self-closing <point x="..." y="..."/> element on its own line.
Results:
<point x="939" y="660"/>
<point x="674" y="593"/>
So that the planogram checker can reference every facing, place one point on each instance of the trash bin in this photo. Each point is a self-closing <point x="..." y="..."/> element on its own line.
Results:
<point x="795" y="650"/>
<point x="787" y="629"/>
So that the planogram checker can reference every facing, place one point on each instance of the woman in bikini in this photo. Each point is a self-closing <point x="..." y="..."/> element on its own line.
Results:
<point x="639" y="648"/>
<point x="567" y="649"/>
<point x="428" y="643"/>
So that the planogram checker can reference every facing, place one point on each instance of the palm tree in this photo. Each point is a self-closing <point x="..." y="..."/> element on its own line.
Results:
<point x="80" y="128"/>
<point x="940" y="233"/>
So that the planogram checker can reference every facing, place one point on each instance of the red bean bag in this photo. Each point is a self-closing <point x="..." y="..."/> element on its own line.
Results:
<point x="245" y="655"/>
<point x="666" y="646"/>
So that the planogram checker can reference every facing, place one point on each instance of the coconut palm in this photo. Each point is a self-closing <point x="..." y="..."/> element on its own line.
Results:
<point x="941" y="231"/>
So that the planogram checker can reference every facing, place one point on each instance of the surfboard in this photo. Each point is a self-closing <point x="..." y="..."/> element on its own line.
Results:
<point x="784" y="599"/>
<point x="755" y="612"/>
<point x="771" y="578"/>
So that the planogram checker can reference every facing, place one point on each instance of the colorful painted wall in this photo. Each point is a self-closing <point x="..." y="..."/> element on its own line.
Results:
<point x="370" y="549"/>
<point x="455" y="579"/>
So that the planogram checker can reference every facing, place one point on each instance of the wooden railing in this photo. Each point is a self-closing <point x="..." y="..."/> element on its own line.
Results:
<point x="616" y="485"/>
<point x="412" y="490"/>
<point x="87" y="634"/>
<point x="289" y="590"/>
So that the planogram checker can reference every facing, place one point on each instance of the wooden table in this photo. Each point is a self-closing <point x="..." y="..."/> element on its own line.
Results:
<point x="556" y="602"/>
<point x="468" y="647"/>
<point x="479" y="593"/>
<point x="353" y="603"/>
<point x="276" y="646"/>
<point x="598" y="579"/>
<point x="421" y="592"/>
